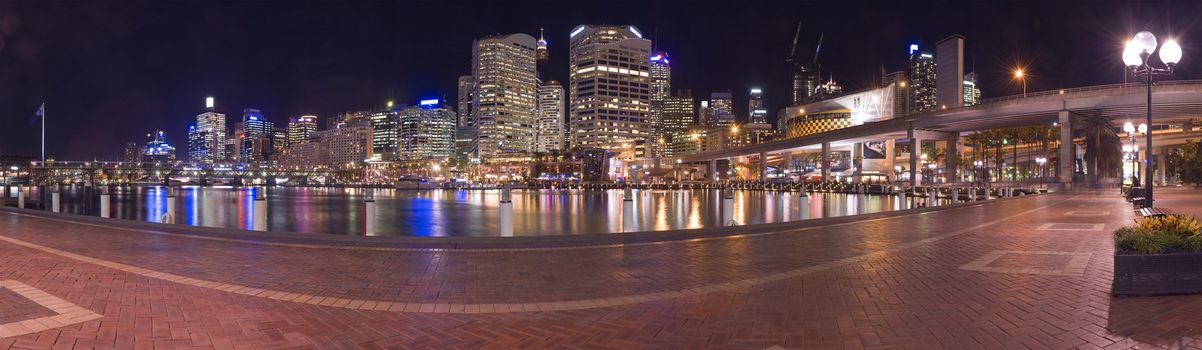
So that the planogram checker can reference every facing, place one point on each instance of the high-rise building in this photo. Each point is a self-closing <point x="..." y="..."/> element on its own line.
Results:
<point x="609" y="90"/>
<point x="427" y="132"/>
<point x="212" y="125"/>
<point x="254" y="137"/>
<point x="901" y="91"/>
<point x="806" y="79"/>
<point x="550" y="117"/>
<point x="922" y="80"/>
<point x="467" y="86"/>
<point x="678" y="118"/>
<point x="949" y="72"/>
<point x="756" y="113"/>
<point x="158" y="150"/>
<point x="384" y="140"/>
<point x="133" y="152"/>
<point x="972" y="92"/>
<point x="301" y="128"/>
<point x="661" y="90"/>
<point x="721" y="110"/>
<point x="347" y="146"/>
<point x="197" y="150"/>
<point x="506" y="92"/>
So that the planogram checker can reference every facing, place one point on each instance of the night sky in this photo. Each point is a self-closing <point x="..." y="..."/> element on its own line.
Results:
<point x="112" y="71"/>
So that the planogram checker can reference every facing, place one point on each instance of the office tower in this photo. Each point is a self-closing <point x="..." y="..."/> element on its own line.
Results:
<point x="806" y="73"/>
<point x="467" y="86"/>
<point x="384" y="138"/>
<point x="427" y="132"/>
<point x="279" y="143"/>
<point x="949" y="72"/>
<point x="253" y="137"/>
<point x="721" y="112"/>
<point x="550" y="117"/>
<point x="505" y="99"/>
<point x="301" y="128"/>
<point x="972" y="93"/>
<point x="212" y="124"/>
<point x="158" y="150"/>
<point x="661" y="89"/>
<point x="355" y="118"/>
<point x="678" y="117"/>
<point x="609" y="91"/>
<point x="922" y="80"/>
<point x="705" y="114"/>
<point x="901" y="91"/>
<point x="197" y="150"/>
<point x="756" y="113"/>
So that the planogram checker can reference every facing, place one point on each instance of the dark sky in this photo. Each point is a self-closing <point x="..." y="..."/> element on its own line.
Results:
<point x="111" y="71"/>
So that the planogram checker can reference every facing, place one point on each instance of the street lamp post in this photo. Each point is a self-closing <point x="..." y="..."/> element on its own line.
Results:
<point x="1018" y="74"/>
<point x="1136" y="56"/>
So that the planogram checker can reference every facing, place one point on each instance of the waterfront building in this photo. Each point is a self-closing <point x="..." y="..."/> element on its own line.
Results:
<point x="609" y="90"/>
<point x="949" y="72"/>
<point x="972" y="91"/>
<point x="690" y="141"/>
<point x="348" y="146"/>
<point x="679" y="114"/>
<point x="721" y="110"/>
<point x="504" y="102"/>
<point x="158" y="150"/>
<point x="427" y="132"/>
<point x="212" y="125"/>
<point x="550" y="134"/>
<point x="301" y="128"/>
<point x="304" y="155"/>
<point x="756" y="112"/>
<point x="922" y="80"/>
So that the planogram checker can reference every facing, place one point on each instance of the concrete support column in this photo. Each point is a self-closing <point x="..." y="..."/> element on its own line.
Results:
<point x="713" y="170"/>
<point x="763" y="167"/>
<point x="915" y="161"/>
<point x="1162" y="158"/>
<point x="890" y="158"/>
<point x="951" y="160"/>
<point x="826" y="161"/>
<point x="857" y="161"/>
<point x="1067" y="160"/>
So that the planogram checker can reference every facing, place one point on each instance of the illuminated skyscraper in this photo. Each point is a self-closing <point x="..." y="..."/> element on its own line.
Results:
<point x="609" y="90"/>
<point x="254" y="137"/>
<point x="542" y="55"/>
<point x="384" y="133"/>
<point x="550" y="117"/>
<point x="158" y="150"/>
<point x="661" y="90"/>
<point x="805" y="83"/>
<point x="922" y="80"/>
<point x="427" y="132"/>
<point x="756" y="113"/>
<point x="506" y="92"/>
<point x="300" y="129"/>
<point x="678" y="118"/>
<point x="721" y="112"/>
<point x="467" y="86"/>
<point x="212" y="125"/>
<point x="972" y="93"/>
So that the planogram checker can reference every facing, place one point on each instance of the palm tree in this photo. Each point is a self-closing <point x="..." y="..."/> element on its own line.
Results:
<point x="1103" y="148"/>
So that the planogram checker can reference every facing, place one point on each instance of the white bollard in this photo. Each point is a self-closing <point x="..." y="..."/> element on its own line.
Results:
<point x="369" y="214"/>
<point x="54" y="200"/>
<point x="260" y="208"/>
<point x="728" y="207"/>
<point x="628" y="215"/>
<point x="169" y="215"/>
<point x="104" y="202"/>
<point x="627" y="194"/>
<point x="506" y="215"/>
<point x="20" y="198"/>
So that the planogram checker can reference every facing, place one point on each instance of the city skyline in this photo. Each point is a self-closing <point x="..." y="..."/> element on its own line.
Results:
<point x="150" y="91"/>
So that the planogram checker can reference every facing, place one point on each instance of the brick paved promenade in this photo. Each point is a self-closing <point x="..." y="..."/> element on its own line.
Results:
<point x="1018" y="273"/>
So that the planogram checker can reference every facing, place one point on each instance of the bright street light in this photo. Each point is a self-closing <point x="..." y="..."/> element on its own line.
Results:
<point x="1018" y="74"/>
<point x="1136" y="56"/>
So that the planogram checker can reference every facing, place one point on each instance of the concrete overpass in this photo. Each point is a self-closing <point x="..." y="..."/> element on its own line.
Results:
<point x="1173" y="102"/>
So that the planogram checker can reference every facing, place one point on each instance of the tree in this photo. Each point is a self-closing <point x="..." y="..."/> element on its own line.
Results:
<point x="1188" y="162"/>
<point x="1103" y="148"/>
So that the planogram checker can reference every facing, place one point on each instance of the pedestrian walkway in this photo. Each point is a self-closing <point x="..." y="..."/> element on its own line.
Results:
<point x="1026" y="272"/>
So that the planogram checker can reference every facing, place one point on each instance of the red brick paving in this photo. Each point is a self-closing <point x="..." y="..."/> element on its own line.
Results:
<point x="871" y="296"/>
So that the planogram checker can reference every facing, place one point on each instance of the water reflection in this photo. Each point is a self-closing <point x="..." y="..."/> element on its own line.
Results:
<point x="473" y="213"/>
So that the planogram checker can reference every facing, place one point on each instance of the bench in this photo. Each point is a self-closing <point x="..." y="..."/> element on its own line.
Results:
<point x="1154" y="212"/>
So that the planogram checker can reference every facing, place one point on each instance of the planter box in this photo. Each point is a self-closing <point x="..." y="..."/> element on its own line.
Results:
<point x="1159" y="274"/>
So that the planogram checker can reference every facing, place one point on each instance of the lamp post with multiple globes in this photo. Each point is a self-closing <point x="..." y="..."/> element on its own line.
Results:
<point x="1136" y="55"/>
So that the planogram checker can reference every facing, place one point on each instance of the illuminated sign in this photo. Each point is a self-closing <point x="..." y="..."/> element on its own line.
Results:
<point x="576" y="31"/>
<point x="209" y="102"/>
<point x="756" y="91"/>
<point x="254" y="118"/>
<point x="636" y="32"/>
<point x="913" y="47"/>
<point x="430" y="102"/>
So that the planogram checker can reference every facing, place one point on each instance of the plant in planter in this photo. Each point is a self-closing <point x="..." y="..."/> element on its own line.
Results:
<point x="1159" y="255"/>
